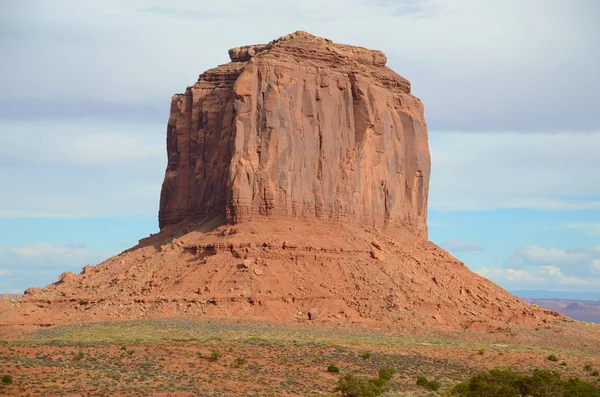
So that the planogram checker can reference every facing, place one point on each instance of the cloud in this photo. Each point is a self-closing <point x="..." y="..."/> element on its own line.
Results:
<point x="412" y="8"/>
<point x="43" y="250"/>
<point x="53" y="191"/>
<point x="44" y="253"/>
<point x="512" y="170"/>
<point x="547" y="277"/>
<point x="591" y="228"/>
<point x="81" y="168"/>
<point x="534" y="255"/>
<point x="547" y="268"/>
<point x="456" y="245"/>
<point x="75" y="109"/>
<point x="206" y="14"/>
<point x="40" y="263"/>
<point x="79" y="143"/>
<point x="502" y="68"/>
<point x="500" y="275"/>
<point x="480" y="67"/>
<point x="310" y="10"/>
<point x="535" y="267"/>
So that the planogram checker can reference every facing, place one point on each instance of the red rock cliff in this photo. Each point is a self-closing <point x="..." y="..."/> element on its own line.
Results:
<point x="300" y="127"/>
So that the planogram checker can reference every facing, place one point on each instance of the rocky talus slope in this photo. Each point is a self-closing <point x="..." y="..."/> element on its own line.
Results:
<point x="277" y="269"/>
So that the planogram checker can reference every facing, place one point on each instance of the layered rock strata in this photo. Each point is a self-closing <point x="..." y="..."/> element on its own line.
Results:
<point x="300" y="127"/>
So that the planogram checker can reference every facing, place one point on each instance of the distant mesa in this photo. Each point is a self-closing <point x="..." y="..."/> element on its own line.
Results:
<point x="575" y="306"/>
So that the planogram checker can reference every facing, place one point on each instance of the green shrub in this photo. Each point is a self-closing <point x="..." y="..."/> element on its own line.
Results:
<point x="386" y="373"/>
<point x="434" y="385"/>
<point x="428" y="384"/>
<point x="542" y="383"/>
<point x="353" y="386"/>
<point x="239" y="361"/>
<point x="422" y="381"/>
<point x="579" y="388"/>
<point x="365" y="355"/>
<point x="594" y="373"/>
<point x="507" y="383"/>
<point x="79" y="356"/>
<point x="494" y="382"/>
<point x="333" y="369"/>
<point x="587" y="367"/>
<point x="552" y="357"/>
<point x="7" y="380"/>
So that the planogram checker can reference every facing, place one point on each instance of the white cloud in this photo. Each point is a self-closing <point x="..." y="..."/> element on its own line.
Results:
<point x="81" y="143"/>
<point x="592" y="228"/>
<point x="81" y="169"/>
<point x="552" y="270"/>
<point x="47" y="252"/>
<point x="548" y="277"/>
<point x="501" y="276"/>
<point x="551" y="256"/>
<point x="511" y="170"/>
<point x="40" y="263"/>
<point x="476" y="65"/>
<point x="456" y="245"/>
<point x="596" y="266"/>
<point x="534" y="267"/>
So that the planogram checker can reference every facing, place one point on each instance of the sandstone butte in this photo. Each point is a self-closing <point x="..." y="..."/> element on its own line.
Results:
<point x="296" y="187"/>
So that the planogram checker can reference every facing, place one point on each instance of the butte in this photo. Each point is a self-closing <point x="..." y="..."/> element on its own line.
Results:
<point x="296" y="187"/>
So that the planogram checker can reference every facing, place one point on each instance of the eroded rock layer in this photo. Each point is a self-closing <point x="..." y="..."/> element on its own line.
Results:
<point x="300" y="127"/>
<point x="280" y="270"/>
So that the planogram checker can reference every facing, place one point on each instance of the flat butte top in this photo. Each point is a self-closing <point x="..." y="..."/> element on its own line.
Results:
<point x="320" y="54"/>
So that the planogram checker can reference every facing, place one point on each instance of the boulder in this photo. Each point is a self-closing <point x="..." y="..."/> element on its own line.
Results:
<point x="33" y="291"/>
<point x="67" y="277"/>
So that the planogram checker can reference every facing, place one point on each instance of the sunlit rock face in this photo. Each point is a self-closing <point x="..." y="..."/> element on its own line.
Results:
<point x="303" y="128"/>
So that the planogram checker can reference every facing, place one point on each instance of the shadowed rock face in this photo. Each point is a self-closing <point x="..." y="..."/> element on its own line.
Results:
<point x="303" y="128"/>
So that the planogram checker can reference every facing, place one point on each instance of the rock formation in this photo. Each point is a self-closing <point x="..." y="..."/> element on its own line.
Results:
<point x="296" y="189"/>
<point x="302" y="128"/>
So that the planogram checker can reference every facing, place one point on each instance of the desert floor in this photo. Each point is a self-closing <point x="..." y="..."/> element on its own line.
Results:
<point x="220" y="357"/>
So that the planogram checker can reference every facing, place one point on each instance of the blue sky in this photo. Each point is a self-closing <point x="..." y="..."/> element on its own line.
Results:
<point x="510" y="90"/>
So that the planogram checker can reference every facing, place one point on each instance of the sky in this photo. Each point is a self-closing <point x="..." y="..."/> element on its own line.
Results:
<point x="511" y="99"/>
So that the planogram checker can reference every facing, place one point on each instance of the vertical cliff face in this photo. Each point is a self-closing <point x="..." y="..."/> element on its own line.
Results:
<point x="303" y="128"/>
<point x="200" y="143"/>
